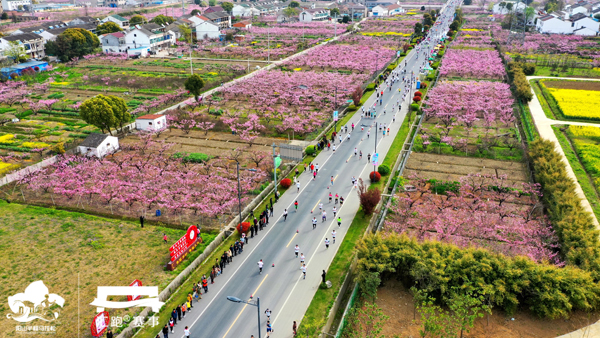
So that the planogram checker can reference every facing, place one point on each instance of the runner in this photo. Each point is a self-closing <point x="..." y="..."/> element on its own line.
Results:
<point x="260" y="266"/>
<point x="339" y="220"/>
<point x="296" y="205"/>
<point x="302" y="258"/>
<point x="314" y="223"/>
<point x="330" y="197"/>
<point x="331" y="180"/>
<point x="326" y="243"/>
<point x="298" y="186"/>
<point x="285" y="214"/>
<point x="324" y="216"/>
<point x="296" y="250"/>
<point x="334" y="211"/>
<point x="333" y="233"/>
<point x="304" y="271"/>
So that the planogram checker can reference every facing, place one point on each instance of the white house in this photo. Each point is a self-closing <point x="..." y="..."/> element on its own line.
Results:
<point x="500" y="7"/>
<point x="207" y="30"/>
<point x="243" y="25"/>
<point x="113" y="42"/>
<point x="380" y="11"/>
<point x="13" y="5"/>
<point x="119" y="20"/>
<point x="310" y="15"/>
<point x="552" y="24"/>
<point x="585" y="32"/>
<point x="152" y="122"/>
<point x="149" y="36"/>
<point x="580" y="20"/>
<point x="98" y="145"/>
<point x="244" y="11"/>
<point x="395" y="9"/>
<point x="32" y="44"/>
<point x="575" y="9"/>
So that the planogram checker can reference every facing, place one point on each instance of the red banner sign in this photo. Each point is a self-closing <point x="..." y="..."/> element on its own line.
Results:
<point x="100" y="324"/>
<point x="136" y="282"/>
<point x="183" y="246"/>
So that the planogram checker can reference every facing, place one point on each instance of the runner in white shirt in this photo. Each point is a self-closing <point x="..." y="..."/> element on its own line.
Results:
<point x="314" y="222"/>
<point x="301" y="259"/>
<point x="297" y="249"/>
<point x="303" y="271"/>
<point x="260" y="266"/>
<point x="327" y="243"/>
<point x="333" y="233"/>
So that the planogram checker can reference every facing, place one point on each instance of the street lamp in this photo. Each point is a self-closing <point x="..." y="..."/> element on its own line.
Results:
<point x="257" y="304"/>
<point x="335" y="106"/>
<point x="240" y="190"/>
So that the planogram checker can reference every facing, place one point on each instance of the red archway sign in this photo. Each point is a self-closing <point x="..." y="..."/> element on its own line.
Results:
<point x="100" y="324"/>
<point x="136" y="282"/>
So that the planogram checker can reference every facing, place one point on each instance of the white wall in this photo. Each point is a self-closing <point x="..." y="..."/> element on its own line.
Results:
<point x="14" y="5"/>
<point x="151" y="125"/>
<point x="109" y="145"/>
<point x="207" y="29"/>
<point x="587" y="23"/>
<point x="556" y="26"/>
<point x="141" y="40"/>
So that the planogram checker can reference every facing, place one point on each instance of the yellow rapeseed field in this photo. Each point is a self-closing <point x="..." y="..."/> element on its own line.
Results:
<point x="578" y="103"/>
<point x="583" y="131"/>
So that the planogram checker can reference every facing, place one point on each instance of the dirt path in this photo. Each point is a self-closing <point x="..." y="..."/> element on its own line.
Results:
<point x="544" y="127"/>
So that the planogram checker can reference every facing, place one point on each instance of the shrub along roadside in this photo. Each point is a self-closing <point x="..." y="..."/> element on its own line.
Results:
<point x="573" y="225"/>
<point x="519" y="80"/>
<point x="509" y="283"/>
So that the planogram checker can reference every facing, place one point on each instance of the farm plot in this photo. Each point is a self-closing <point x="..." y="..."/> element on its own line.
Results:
<point x="60" y="247"/>
<point x="472" y="64"/>
<point x="470" y="119"/>
<point x="274" y="41"/>
<point x="577" y="100"/>
<point x="150" y="174"/>
<point x="481" y="210"/>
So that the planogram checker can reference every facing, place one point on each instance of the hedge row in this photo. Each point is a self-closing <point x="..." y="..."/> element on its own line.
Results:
<point x="573" y="225"/>
<point x="509" y="283"/>
<point x="516" y="72"/>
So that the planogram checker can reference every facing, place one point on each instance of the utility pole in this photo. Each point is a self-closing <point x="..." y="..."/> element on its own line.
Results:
<point x="239" y="192"/>
<point x="376" y="129"/>
<point x="274" y="172"/>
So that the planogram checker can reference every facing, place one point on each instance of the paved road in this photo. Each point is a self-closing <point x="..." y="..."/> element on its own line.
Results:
<point x="282" y="288"/>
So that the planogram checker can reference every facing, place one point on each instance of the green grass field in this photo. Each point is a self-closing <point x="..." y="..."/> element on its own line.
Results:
<point x="60" y="248"/>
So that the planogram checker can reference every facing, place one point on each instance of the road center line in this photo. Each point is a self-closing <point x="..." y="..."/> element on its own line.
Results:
<point x="244" y="308"/>
<point x="291" y="240"/>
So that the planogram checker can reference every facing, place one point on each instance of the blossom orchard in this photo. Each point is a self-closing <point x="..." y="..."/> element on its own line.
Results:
<point x="142" y="177"/>
<point x="466" y="63"/>
<point x="298" y="101"/>
<point x="482" y="210"/>
<point x="469" y="105"/>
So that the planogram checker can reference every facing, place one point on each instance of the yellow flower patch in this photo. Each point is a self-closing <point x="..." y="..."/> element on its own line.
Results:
<point x="578" y="103"/>
<point x="35" y="145"/>
<point x="584" y="131"/>
<point x="8" y="138"/>
<point x="297" y="69"/>
<point x="60" y="83"/>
